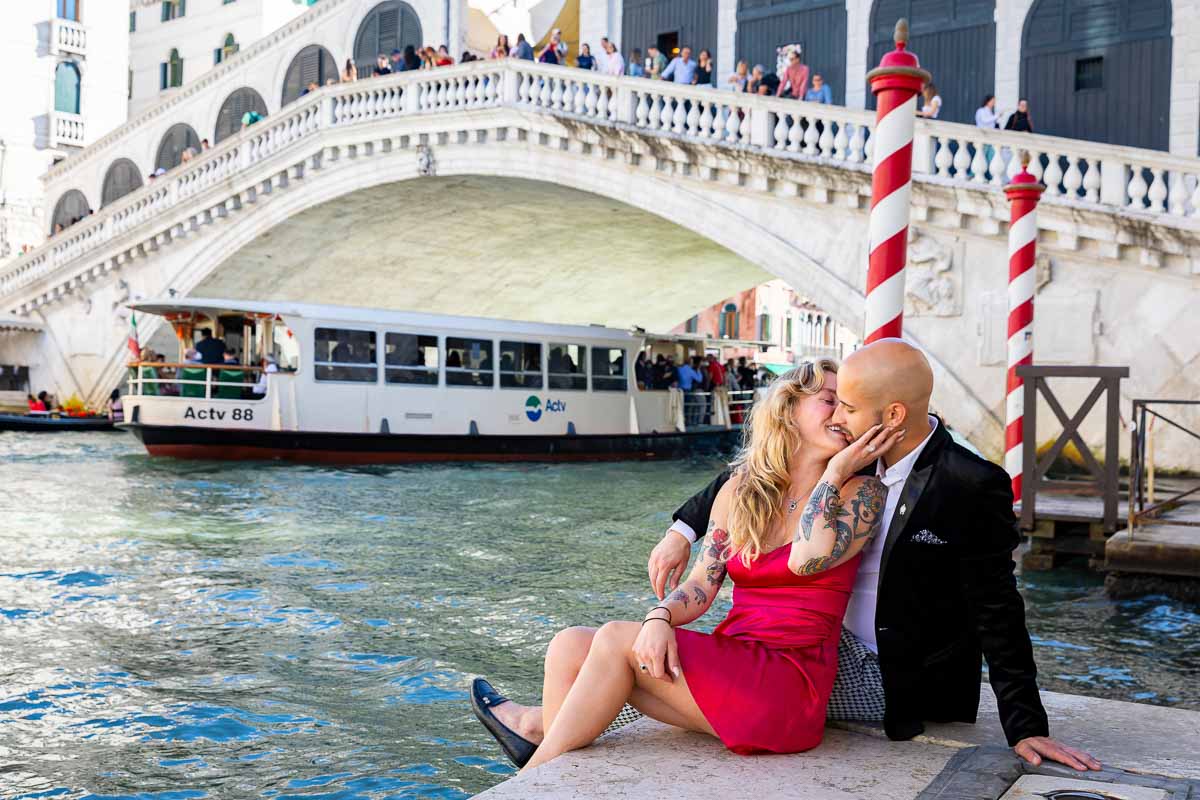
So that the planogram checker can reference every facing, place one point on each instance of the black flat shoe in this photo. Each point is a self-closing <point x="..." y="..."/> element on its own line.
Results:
<point x="483" y="699"/>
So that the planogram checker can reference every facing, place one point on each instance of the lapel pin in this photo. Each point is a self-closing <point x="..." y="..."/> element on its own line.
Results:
<point x="903" y="508"/>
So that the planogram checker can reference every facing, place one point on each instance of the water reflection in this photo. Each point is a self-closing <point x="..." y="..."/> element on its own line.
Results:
<point x="186" y="630"/>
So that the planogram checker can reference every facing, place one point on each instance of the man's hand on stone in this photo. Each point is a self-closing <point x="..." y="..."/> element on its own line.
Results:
<point x="1036" y="748"/>
<point x="668" y="560"/>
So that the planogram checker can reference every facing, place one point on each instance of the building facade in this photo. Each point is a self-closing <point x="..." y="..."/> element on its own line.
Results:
<point x="789" y="326"/>
<point x="1123" y="72"/>
<point x="69" y="61"/>
<point x="172" y="42"/>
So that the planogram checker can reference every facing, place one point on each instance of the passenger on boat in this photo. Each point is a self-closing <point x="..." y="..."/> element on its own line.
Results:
<point x="642" y="371"/>
<point x="192" y="356"/>
<point x="211" y="350"/>
<point x="36" y="404"/>
<point x="116" y="409"/>
<point x="260" y="386"/>
<point x="46" y="399"/>
<point x="230" y="356"/>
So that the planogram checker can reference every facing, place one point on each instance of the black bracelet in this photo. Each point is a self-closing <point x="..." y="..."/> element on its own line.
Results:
<point x="669" y="618"/>
<point x="651" y="619"/>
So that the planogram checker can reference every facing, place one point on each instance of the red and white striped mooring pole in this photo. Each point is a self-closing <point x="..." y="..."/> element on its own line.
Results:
<point x="896" y="83"/>
<point x="1023" y="192"/>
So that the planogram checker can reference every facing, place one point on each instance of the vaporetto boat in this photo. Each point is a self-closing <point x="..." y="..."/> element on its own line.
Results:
<point x="336" y="384"/>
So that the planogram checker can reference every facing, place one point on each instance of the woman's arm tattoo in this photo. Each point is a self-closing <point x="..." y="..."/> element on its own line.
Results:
<point x="860" y="521"/>
<point x="680" y="595"/>
<point x="718" y="544"/>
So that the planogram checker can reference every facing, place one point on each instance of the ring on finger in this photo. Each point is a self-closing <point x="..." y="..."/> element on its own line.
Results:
<point x="870" y="448"/>
<point x="643" y="667"/>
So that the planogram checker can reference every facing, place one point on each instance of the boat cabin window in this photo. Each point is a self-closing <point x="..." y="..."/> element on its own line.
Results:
<point x="520" y="365"/>
<point x="344" y="355"/>
<point x="608" y="370"/>
<point x="469" y="362"/>
<point x="410" y="358"/>
<point x="567" y="370"/>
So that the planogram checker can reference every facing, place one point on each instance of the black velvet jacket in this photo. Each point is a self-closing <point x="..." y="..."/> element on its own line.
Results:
<point x="947" y="595"/>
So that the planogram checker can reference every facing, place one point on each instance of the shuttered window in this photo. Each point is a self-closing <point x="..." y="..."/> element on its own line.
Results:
<point x="170" y="151"/>
<point x="389" y="26"/>
<point x="121" y="179"/>
<point x="313" y="64"/>
<point x="71" y="207"/>
<point x="242" y="101"/>
<point x="66" y="88"/>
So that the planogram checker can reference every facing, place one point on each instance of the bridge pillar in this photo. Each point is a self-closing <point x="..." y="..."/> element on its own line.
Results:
<point x="895" y="82"/>
<point x="1023" y="192"/>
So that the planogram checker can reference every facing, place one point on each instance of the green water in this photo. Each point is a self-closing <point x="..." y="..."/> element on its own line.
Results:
<point x="204" y="630"/>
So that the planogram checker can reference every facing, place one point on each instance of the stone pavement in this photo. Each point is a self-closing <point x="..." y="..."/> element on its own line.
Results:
<point x="651" y="760"/>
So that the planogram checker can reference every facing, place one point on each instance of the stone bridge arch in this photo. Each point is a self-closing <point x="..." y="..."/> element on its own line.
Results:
<point x="757" y="235"/>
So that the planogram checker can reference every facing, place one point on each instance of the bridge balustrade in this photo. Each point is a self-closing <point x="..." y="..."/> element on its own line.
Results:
<point x="1156" y="186"/>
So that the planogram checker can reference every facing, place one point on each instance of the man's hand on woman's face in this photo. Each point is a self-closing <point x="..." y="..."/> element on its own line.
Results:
<point x="668" y="560"/>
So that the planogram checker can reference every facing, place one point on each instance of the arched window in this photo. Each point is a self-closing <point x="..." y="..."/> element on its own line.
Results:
<point x="389" y="26"/>
<point x="313" y="64"/>
<point x="729" y="322"/>
<point x="1099" y="70"/>
<point x="229" y="119"/>
<point x="122" y="178"/>
<point x="225" y="50"/>
<point x="66" y="88"/>
<point x="69" y="209"/>
<point x="170" y="72"/>
<point x="170" y="151"/>
<point x="818" y="26"/>
<point x="764" y="327"/>
<point x="956" y="37"/>
<point x="68" y="9"/>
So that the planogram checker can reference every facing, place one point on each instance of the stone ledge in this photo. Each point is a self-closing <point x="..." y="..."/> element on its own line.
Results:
<point x="652" y="760"/>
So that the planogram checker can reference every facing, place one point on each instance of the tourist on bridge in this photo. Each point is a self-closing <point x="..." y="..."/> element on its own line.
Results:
<point x="613" y="64"/>
<point x="682" y="68"/>
<point x="381" y="66"/>
<point x="704" y="69"/>
<point x="585" y="59"/>
<point x="740" y="77"/>
<point x="502" y="48"/>
<point x="932" y="102"/>
<point x="820" y="91"/>
<point x="1020" y="120"/>
<point x="636" y="68"/>
<point x="396" y="61"/>
<point x="986" y="116"/>
<point x="349" y="71"/>
<point x="411" y="59"/>
<point x="523" y="50"/>
<point x="840" y="466"/>
<point x="656" y="63"/>
<point x="794" y="81"/>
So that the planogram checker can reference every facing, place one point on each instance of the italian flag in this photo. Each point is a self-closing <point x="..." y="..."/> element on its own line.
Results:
<point x="133" y="337"/>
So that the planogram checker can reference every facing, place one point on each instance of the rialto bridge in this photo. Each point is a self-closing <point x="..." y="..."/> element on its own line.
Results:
<point x="515" y="190"/>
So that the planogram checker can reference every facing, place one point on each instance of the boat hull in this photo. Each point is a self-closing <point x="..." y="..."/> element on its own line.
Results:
<point x="24" y="424"/>
<point x="383" y="448"/>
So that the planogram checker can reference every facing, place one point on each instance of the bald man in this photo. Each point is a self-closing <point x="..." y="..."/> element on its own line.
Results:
<point x="937" y="593"/>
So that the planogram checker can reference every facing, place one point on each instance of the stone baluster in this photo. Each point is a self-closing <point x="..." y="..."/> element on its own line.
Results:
<point x="841" y="143"/>
<point x="780" y="132"/>
<point x="1053" y="174"/>
<point x="679" y="121"/>
<point x="1092" y="181"/>
<point x="744" y="128"/>
<point x="857" y="144"/>
<point x="556" y="94"/>
<point x="1137" y="188"/>
<point x="1157" y="193"/>
<point x="642" y="113"/>
<point x="943" y="159"/>
<point x="667" y="113"/>
<point x="1177" y="196"/>
<point x="546" y="95"/>
<point x="706" y="120"/>
<point x="693" y="118"/>
<point x="1195" y="201"/>
<point x="810" y="137"/>
<point x="795" y="137"/>
<point x="732" y="125"/>
<point x="825" y="140"/>
<point x="1073" y="178"/>
<point x="979" y="163"/>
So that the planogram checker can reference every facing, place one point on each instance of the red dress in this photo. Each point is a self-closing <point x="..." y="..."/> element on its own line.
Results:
<point x="763" y="677"/>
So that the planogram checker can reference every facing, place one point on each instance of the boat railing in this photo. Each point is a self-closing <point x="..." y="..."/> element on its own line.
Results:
<point x="192" y="380"/>
<point x="710" y="408"/>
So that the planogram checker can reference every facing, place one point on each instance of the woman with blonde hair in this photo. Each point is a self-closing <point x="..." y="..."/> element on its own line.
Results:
<point x="788" y="528"/>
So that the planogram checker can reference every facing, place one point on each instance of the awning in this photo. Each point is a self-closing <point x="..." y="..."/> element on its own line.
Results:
<point x="779" y="369"/>
<point x="11" y="323"/>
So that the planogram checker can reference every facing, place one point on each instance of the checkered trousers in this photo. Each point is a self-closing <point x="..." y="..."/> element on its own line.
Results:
<point x="858" y="689"/>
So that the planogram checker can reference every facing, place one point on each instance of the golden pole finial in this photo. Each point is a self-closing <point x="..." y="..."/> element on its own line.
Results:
<point x="1025" y="159"/>
<point x="901" y="34"/>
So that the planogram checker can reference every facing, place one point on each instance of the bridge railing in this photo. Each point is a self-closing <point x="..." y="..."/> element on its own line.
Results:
<point x="1155" y="186"/>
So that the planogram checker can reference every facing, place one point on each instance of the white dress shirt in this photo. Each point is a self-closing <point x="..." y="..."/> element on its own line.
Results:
<point x="860" y="613"/>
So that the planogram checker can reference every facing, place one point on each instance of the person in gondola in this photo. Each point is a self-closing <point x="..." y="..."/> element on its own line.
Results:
<point x="36" y="405"/>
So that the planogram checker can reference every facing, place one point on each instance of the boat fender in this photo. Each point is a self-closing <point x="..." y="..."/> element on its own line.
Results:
<point x="474" y="430"/>
<point x="384" y="427"/>
<point x="570" y="429"/>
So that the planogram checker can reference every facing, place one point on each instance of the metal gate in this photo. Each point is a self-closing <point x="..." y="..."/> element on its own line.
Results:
<point x="1099" y="70"/>
<point x="669" y="23"/>
<point x="956" y="42"/>
<point x="818" y="26"/>
<point x="389" y="26"/>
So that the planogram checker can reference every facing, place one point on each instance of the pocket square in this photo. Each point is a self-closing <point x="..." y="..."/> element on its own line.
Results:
<point x="927" y="536"/>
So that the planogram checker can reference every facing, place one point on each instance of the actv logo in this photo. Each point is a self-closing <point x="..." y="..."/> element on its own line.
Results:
<point x="533" y="407"/>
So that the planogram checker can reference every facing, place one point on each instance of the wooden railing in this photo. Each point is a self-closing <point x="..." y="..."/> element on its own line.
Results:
<point x="1103" y="477"/>
<point x="1141" y="467"/>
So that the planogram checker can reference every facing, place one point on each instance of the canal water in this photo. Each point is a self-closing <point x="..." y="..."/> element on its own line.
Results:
<point x="174" y="630"/>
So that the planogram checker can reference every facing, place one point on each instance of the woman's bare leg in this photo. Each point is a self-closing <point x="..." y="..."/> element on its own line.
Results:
<point x="606" y="681"/>
<point x="564" y="658"/>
